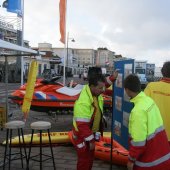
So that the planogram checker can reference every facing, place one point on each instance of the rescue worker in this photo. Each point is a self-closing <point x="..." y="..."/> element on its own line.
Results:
<point x="160" y="93"/>
<point x="87" y="120"/>
<point x="148" y="143"/>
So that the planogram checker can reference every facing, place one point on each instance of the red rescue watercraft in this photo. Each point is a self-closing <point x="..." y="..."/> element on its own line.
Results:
<point x="51" y="95"/>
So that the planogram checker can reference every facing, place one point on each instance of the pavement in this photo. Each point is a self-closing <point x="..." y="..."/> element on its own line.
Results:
<point x="65" y="155"/>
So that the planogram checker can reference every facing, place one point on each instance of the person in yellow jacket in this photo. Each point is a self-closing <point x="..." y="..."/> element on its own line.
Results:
<point x="160" y="93"/>
<point x="148" y="143"/>
<point x="87" y="120"/>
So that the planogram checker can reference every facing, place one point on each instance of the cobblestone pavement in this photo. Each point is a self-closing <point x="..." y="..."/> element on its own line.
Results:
<point x="65" y="155"/>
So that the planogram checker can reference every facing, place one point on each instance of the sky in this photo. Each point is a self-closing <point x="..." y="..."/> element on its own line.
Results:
<point x="138" y="29"/>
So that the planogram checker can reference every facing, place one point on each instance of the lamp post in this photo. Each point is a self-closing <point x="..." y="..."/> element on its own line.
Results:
<point x="73" y="40"/>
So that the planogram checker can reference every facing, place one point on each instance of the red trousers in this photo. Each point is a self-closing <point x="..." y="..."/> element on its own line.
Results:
<point x="85" y="158"/>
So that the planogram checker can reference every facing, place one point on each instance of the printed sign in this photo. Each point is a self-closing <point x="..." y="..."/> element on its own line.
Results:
<point x="121" y="103"/>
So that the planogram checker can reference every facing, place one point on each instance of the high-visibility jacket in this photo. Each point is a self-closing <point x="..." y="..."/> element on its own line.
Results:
<point x="148" y="143"/>
<point x="160" y="93"/>
<point x="84" y="115"/>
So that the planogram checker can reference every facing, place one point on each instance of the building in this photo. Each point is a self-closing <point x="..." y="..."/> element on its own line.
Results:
<point x="78" y="60"/>
<point x="85" y="57"/>
<point x="105" y="58"/>
<point x="9" y="33"/>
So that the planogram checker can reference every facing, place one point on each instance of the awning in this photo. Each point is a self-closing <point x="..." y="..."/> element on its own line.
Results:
<point x="10" y="46"/>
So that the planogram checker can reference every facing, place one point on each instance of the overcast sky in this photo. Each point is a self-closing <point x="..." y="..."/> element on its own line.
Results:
<point x="139" y="29"/>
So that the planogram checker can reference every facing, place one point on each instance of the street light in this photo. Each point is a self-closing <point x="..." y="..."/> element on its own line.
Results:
<point x="72" y="40"/>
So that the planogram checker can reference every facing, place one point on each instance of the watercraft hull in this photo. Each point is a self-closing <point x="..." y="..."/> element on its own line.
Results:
<point x="103" y="151"/>
<point x="56" y="138"/>
<point x="46" y="97"/>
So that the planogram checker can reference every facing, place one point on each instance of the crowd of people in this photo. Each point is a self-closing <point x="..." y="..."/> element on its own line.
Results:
<point x="149" y="120"/>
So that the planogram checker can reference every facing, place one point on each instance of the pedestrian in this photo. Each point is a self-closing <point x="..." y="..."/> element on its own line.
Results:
<point x="87" y="120"/>
<point x="148" y="143"/>
<point x="160" y="93"/>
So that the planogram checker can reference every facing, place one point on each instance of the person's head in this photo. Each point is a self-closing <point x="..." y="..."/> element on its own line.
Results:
<point x="132" y="85"/>
<point x="97" y="84"/>
<point x="166" y="69"/>
<point x="93" y="71"/>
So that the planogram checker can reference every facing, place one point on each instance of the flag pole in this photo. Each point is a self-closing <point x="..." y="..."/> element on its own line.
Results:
<point x="65" y="45"/>
<point x="65" y="51"/>
<point x="64" y="76"/>
<point x="22" y="42"/>
<point x="63" y="27"/>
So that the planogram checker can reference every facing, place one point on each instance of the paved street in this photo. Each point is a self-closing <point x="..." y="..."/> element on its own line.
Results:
<point x="65" y="156"/>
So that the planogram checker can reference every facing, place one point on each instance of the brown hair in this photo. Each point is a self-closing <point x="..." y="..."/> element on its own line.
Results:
<point x="166" y="69"/>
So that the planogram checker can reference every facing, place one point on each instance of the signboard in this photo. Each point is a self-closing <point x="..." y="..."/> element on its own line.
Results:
<point x="121" y="104"/>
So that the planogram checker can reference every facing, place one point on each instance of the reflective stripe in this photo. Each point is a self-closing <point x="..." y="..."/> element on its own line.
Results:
<point x="108" y="80"/>
<point x="158" y="130"/>
<point x="132" y="159"/>
<point x="89" y="138"/>
<point x="141" y="143"/>
<point x="75" y="125"/>
<point x="153" y="163"/>
<point x="82" y="119"/>
<point x="74" y="137"/>
<point x="81" y="145"/>
<point x="150" y="108"/>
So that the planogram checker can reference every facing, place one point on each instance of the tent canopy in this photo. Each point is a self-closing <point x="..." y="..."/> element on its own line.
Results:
<point x="14" y="47"/>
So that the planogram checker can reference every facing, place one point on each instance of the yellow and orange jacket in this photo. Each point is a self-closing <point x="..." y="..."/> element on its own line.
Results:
<point x="160" y="93"/>
<point x="84" y="116"/>
<point x="148" y="143"/>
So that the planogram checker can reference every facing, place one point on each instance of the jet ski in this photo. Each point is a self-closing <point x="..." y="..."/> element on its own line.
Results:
<point x="52" y="95"/>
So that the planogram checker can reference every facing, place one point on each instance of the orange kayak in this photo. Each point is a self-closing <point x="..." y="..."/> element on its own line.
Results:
<point x="103" y="150"/>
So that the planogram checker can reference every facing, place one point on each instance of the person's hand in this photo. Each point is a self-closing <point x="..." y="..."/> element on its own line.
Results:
<point x="115" y="73"/>
<point x="130" y="165"/>
<point x="92" y="146"/>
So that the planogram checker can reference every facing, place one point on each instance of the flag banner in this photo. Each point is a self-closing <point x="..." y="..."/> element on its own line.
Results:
<point x="33" y="70"/>
<point x="14" y="6"/>
<point x="62" y="7"/>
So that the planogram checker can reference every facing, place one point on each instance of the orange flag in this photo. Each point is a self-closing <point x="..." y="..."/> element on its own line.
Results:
<point x="62" y="7"/>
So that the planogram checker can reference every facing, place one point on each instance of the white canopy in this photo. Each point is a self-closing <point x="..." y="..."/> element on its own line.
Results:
<point x="13" y="47"/>
<point x="10" y="46"/>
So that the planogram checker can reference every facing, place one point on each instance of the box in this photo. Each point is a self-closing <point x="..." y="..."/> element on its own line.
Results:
<point x="2" y="116"/>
